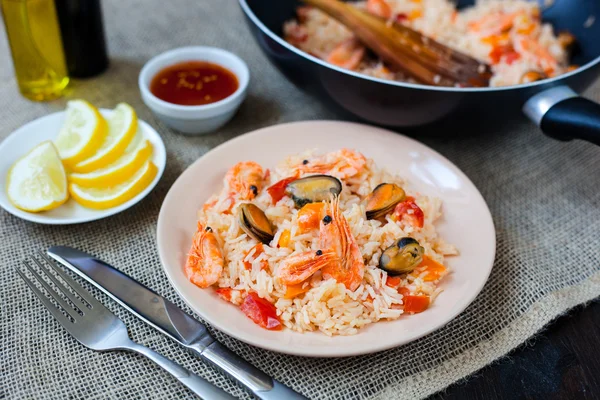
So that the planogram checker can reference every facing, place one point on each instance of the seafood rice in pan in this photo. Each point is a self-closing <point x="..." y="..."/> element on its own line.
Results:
<point x="507" y="34"/>
<point x="325" y="242"/>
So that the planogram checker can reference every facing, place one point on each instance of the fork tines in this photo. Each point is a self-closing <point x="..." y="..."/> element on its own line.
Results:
<point x="67" y="313"/>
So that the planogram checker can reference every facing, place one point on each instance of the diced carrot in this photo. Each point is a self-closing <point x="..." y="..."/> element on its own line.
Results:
<point x="224" y="293"/>
<point x="277" y="190"/>
<point x="284" y="239"/>
<point x="434" y="269"/>
<point x="309" y="217"/>
<point x="393" y="281"/>
<point x="404" y="291"/>
<point x="495" y="40"/>
<point x="416" y="304"/>
<point x="292" y="291"/>
<point x="414" y="14"/>
<point x="526" y="30"/>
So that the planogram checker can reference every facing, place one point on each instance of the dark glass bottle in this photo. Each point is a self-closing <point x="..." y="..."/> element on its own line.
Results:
<point x="82" y="32"/>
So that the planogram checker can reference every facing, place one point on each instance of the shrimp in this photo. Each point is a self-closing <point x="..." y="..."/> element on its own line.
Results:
<point x="494" y="24"/>
<point x="335" y="234"/>
<point x="342" y="164"/>
<point x="539" y="53"/>
<point x="347" y="54"/>
<point x="379" y="8"/>
<point x="204" y="264"/>
<point x="245" y="178"/>
<point x="298" y="268"/>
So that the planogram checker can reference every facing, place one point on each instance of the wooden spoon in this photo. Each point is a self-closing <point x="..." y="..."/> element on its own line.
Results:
<point x="420" y="57"/>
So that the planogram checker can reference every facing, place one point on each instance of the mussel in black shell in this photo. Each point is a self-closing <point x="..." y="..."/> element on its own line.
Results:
<point x="313" y="189"/>
<point x="383" y="199"/>
<point x="255" y="223"/>
<point x="402" y="257"/>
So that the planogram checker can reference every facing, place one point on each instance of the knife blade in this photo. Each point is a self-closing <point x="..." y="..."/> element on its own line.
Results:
<point x="169" y="319"/>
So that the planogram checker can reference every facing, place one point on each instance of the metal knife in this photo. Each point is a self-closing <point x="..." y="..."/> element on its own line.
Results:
<point x="169" y="319"/>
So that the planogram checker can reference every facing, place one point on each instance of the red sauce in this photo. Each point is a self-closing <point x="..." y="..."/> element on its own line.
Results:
<point x="193" y="83"/>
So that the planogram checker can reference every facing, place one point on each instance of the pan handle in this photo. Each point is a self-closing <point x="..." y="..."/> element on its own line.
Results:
<point x="564" y="115"/>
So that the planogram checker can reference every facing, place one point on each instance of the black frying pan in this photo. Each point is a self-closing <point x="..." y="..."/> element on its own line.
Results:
<point x="553" y="104"/>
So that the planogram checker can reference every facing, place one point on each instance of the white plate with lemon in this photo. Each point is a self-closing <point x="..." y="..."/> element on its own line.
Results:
<point x="79" y="165"/>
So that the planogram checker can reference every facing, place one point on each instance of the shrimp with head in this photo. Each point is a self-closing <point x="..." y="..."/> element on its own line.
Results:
<point x="204" y="264"/>
<point x="246" y="179"/>
<point x="342" y="164"/>
<point x="335" y="234"/>
<point x="299" y="267"/>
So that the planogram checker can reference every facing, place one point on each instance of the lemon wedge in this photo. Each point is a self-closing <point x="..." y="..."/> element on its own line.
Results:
<point x="102" y="198"/>
<point x="122" y="127"/>
<point x="135" y="156"/>
<point x="82" y="133"/>
<point x="37" y="181"/>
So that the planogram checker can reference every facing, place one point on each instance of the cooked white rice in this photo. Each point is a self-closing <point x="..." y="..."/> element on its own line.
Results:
<point x="318" y="34"/>
<point x="328" y="306"/>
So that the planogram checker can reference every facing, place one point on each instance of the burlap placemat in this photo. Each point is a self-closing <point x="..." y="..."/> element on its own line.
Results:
<point x="543" y="195"/>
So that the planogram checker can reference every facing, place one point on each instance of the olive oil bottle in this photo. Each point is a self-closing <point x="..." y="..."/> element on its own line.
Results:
<point x="36" y="46"/>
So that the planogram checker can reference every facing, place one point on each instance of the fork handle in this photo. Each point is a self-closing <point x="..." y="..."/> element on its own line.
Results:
<point x="201" y="387"/>
<point x="254" y="380"/>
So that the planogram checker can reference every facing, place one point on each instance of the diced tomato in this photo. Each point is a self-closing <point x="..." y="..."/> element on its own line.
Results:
<point x="292" y="291"/>
<point x="309" y="217"/>
<point x="511" y="57"/>
<point x="498" y="51"/>
<point x="416" y="304"/>
<point x="258" y="250"/>
<point x="277" y="190"/>
<point x="393" y="281"/>
<point x="401" y="17"/>
<point x="224" y="293"/>
<point x="434" y="269"/>
<point x="404" y="291"/>
<point x="410" y="209"/>
<point x="284" y="239"/>
<point x="261" y="312"/>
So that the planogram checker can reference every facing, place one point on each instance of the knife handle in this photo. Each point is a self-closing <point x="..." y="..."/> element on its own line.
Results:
<point x="257" y="382"/>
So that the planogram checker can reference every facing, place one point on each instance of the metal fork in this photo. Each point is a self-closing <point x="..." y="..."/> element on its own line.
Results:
<point x="94" y="326"/>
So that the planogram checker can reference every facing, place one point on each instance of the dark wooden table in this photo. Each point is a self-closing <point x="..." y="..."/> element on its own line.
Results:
<point x="562" y="362"/>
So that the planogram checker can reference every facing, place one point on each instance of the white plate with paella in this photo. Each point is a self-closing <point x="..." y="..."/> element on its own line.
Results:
<point x="325" y="239"/>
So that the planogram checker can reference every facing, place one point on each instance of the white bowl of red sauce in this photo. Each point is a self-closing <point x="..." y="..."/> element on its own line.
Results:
<point x="194" y="89"/>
